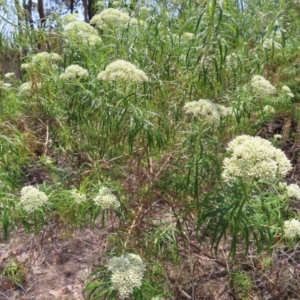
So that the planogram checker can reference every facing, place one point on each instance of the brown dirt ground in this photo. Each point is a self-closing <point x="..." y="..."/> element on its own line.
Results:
<point x="53" y="264"/>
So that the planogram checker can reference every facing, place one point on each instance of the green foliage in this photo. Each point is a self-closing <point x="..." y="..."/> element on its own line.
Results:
<point x="135" y="136"/>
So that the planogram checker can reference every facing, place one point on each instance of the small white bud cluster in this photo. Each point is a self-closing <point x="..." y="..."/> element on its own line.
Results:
<point x="80" y="32"/>
<point x="27" y="87"/>
<point x="124" y="71"/>
<point x="70" y="18"/>
<point x="106" y="200"/>
<point x="209" y="111"/>
<point x="144" y="10"/>
<point x="74" y="72"/>
<point x="291" y="228"/>
<point x="287" y="91"/>
<point x="5" y="85"/>
<point x="10" y="75"/>
<point x="254" y="158"/>
<point x="45" y="57"/>
<point x="187" y="36"/>
<point x="293" y="191"/>
<point x="270" y="44"/>
<point x="78" y="197"/>
<point x="127" y="273"/>
<point x="32" y="199"/>
<point x="111" y="16"/>
<point x="262" y="87"/>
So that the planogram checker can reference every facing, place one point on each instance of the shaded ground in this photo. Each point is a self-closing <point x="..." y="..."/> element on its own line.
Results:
<point x="52" y="265"/>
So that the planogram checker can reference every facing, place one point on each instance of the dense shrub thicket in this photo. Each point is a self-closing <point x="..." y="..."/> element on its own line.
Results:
<point x="191" y="107"/>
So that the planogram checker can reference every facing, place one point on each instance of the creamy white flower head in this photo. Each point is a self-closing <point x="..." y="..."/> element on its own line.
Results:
<point x="32" y="199"/>
<point x="291" y="228"/>
<point x="205" y="109"/>
<point x="106" y="200"/>
<point x="124" y="71"/>
<point x="74" y="72"/>
<point x="144" y="9"/>
<point x="269" y="109"/>
<point x="78" y="197"/>
<point x="79" y="27"/>
<point x="25" y="66"/>
<point x="70" y="18"/>
<point x="158" y="298"/>
<point x="127" y="273"/>
<point x="10" y="75"/>
<point x="108" y="17"/>
<point x="187" y="36"/>
<point x="5" y="85"/>
<point x="45" y="57"/>
<point x="269" y="44"/>
<point x="93" y="40"/>
<point x="291" y="95"/>
<point x="223" y="110"/>
<point x="262" y="87"/>
<point x="293" y="191"/>
<point x="286" y="89"/>
<point x="253" y="158"/>
<point x="133" y="21"/>
<point x="28" y="87"/>
<point x="277" y="136"/>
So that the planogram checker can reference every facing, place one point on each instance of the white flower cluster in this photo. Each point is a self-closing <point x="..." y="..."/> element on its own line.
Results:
<point x="106" y="199"/>
<point x="78" y="197"/>
<point x="82" y="33"/>
<point x="28" y="87"/>
<point x="254" y="158"/>
<point x="293" y="191"/>
<point x="187" y="36"/>
<point x="158" y="298"/>
<point x="127" y="273"/>
<point x="10" y="75"/>
<point x="144" y="10"/>
<point x="122" y="70"/>
<point x="5" y="85"/>
<point x="291" y="228"/>
<point x="287" y="91"/>
<point x="109" y="17"/>
<point x="73" y="72"/>
<point x="32" y="199"/>
<point x="41" y="58"/>
<point x="42" y="61"/>
<point x="270" y="44"/>
<point x="70" y="18"/>
<point x="204" y="108"/>
<point x="262" y="87"/>
<point x="268" y="109"/>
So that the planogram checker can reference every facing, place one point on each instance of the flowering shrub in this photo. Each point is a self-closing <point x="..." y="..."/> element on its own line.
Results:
<point x="78" y="198"/>
<point x="127" y="273"/>
<point x="293" y="191"/>
<point x="291" y="228"/>
<point x="205" y="109"/>
<point x="122" y="70"/>
<point x="110" y="16"/>
<point x="262" y="87"/>
<point x="32" y="199"/>
<point x="254" y="158"/>
<point x="73" y="72"/>
<point x="106" y="200"/>
<point x="82" y="33"/>
<point x="28" y="87"/>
